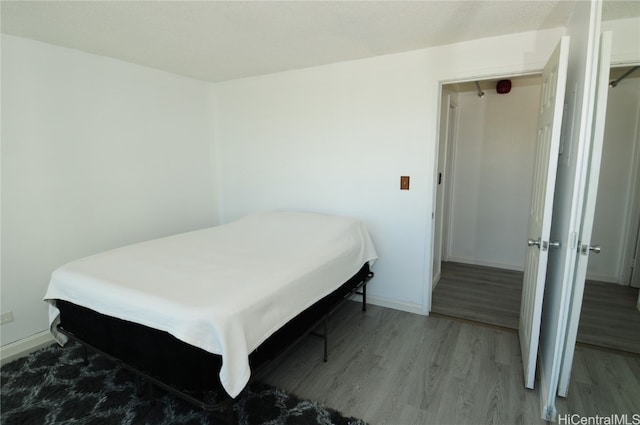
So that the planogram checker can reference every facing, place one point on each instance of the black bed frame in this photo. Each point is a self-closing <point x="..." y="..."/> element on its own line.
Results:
<point x="160" y="359"/>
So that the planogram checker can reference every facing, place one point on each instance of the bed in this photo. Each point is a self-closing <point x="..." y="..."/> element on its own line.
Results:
<point x="201" y="312"/>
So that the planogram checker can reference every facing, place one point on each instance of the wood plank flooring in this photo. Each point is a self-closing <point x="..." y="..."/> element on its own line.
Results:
<point x="609" y="317"/>
<point x="482" y="294"/>
<point x="391" y="367"/>
<point x="603" y="383"/>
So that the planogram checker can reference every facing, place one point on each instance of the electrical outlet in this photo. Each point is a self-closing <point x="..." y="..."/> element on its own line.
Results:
<point x="6" y="317"/>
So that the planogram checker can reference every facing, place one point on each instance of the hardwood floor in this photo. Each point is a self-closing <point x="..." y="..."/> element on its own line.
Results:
<point x="609" y="317"/>
<point x="482" y="294"/>
<point x="391" y="367"/>
<point x="603" y="383"/>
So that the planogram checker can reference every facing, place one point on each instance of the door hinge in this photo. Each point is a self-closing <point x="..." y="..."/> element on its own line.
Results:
<point x="573" y="240"/>
<point x="549" y="413"/>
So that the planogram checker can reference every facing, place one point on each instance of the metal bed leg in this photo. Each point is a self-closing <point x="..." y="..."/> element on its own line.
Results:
<point x="326" y="337"/>
<point x="364" y="297"/>
<point x="363" y="292"/>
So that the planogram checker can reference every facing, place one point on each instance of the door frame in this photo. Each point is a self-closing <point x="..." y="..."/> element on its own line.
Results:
<point x="450" y="167"/>
<point x="446" y="149"/>
<point x="634" y="278"/>
<point x="622" y="272"/>
<point x="632" y="244"/>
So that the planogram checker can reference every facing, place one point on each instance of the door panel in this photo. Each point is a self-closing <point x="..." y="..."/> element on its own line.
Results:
<point x="591" y="191"/>
<point x="545" y="166"/>
<point x="634" y="281"/>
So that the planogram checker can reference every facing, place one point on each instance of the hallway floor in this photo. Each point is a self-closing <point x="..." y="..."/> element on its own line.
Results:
<point x="488" y="295"/>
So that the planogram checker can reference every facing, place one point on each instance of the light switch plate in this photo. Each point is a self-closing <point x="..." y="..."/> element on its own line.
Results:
<point x="404" y="182"/>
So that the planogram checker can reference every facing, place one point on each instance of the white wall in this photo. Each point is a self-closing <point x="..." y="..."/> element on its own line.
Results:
<point x="617" y="182"/>
<point x="493" y="175"/>
<point x="96" y="153"/>
<point x="337" y="138"/>
<point x="625" y="47"/>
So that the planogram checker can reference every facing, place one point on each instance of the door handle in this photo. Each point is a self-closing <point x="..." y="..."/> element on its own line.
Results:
<point x="543" y="245"/>
<point x="582" y="249"/>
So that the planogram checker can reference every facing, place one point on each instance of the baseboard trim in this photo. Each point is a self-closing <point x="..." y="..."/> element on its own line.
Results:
<point x="474" y="262"/>
<point x="436" y="280"/>
<point x="604" y="278"/>
<point x="25" y="346"/>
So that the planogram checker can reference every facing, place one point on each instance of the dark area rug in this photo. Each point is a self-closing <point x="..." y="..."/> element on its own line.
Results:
<point x="55" y="386"/>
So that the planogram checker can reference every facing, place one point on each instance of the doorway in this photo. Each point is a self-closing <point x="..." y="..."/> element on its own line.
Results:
<point x="609" y="316"/>
<point x="617" y="214"/>
<point x="486" y="153"/>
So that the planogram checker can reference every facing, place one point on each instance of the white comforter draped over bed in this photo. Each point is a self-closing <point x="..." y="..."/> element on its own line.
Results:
<point x="224" y="289"/>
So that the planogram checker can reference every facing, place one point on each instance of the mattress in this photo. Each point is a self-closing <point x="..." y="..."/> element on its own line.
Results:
<point x="185" y="368"/>
<point x="223" y="289"/>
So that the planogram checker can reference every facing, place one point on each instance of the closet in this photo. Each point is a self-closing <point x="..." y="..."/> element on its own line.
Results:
<point x="617" y="216"/>
<point x="486" y="155"/>
<point x="491" y="172"/>
<point x="485" y="172"/>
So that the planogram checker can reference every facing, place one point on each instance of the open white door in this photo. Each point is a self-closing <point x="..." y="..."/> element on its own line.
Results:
<point x="546" y="160"/>
<point x="591" y="192"/>
<point x="635" y="275"/>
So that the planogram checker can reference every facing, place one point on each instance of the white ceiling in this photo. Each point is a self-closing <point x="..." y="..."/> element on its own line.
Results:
<point x="222" y="40"/>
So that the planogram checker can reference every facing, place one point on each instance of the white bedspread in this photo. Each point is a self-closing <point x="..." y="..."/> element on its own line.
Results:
<point x="224" y="289"/>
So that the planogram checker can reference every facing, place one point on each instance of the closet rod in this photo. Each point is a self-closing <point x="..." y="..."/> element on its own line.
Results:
<point x="480" y="92"/>
<point x="625" y="75"/>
